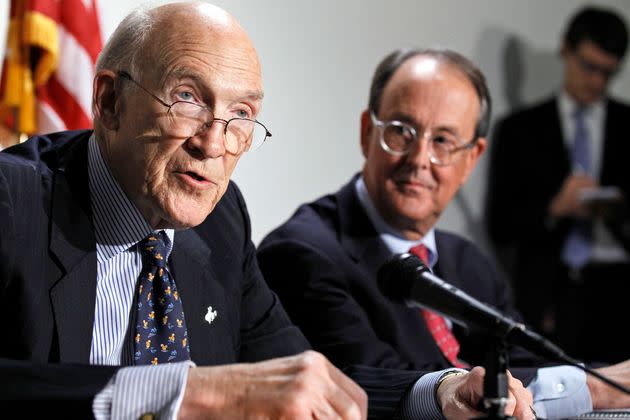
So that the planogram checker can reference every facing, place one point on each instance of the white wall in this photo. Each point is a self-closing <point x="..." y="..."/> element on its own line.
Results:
<point x="4" y="18"/>
<point x="318" y="58"/>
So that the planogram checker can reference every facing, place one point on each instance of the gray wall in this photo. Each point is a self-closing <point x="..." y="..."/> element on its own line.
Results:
<point x="318" y="57"/>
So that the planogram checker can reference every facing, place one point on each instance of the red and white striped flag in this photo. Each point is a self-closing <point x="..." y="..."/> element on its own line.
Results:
<point x="51" y="52"/>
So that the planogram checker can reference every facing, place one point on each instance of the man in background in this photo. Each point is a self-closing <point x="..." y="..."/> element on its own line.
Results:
<point x="557" y="195"/>
<point x="422" y="135"/>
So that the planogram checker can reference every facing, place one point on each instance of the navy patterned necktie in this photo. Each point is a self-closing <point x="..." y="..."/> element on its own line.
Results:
<point x="161" y="335"/>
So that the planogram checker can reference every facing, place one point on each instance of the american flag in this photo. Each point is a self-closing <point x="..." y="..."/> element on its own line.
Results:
<point x="49" y="66"/>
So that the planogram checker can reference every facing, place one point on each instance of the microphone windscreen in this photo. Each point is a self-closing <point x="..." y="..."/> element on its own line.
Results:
<point x="396" y="276"/>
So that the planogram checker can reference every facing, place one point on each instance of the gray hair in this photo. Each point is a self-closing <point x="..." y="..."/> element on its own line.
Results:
<point x="122" y="49"/>
<point x="127" y="42"/>
<point x="393" y="61"/>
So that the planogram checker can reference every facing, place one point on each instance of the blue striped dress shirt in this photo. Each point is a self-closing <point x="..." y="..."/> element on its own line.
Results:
<point x="118" y="227"/>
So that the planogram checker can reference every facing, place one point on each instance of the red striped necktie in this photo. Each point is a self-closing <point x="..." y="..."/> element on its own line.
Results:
<point x="436" y="324"/>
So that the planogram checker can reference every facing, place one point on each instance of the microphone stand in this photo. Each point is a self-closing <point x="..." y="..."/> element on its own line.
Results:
<point x="495" y="383"/>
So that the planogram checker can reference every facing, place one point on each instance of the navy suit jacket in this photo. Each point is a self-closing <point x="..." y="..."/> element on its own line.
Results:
<point x="48" y="287"/>
<point x="323" y="265"/>
<point x="529" y="163"/>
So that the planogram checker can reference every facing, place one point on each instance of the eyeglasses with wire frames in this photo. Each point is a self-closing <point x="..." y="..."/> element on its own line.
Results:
<point x="189" y="119"/>
<point x="398" y="138"/>
<point x="591" y="67"/>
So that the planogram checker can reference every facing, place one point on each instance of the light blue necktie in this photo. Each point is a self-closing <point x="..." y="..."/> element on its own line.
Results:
<point x="578" y="245"/>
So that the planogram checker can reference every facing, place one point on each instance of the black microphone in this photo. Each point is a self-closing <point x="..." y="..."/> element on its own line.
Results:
<point x="405" y="279"/>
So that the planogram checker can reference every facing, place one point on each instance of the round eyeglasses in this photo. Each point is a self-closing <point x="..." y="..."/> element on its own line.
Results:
<point x="188" y="119"/>
<point x="397" y="138"/>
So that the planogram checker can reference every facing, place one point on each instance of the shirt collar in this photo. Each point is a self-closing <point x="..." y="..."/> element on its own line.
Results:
<point x="118" y="224"/>
<point x="567" y="106"/>
<point x="393" y="239"/>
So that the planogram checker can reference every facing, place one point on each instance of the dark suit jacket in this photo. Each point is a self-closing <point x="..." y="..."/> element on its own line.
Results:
<point x="48" y="284"/>
<point x="529" y="162"/>
<point x="323" y="265"/>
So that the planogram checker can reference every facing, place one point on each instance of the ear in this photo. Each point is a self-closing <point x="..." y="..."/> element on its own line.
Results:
<point x="473" y="156"/>
<point x="106" y="99"/>
<point x="366" y="132"/>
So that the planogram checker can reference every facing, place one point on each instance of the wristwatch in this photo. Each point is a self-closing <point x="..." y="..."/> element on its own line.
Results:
<point x="452" y="372"/>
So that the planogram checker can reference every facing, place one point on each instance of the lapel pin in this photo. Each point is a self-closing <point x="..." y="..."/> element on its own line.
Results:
<point x="211" y="315"/>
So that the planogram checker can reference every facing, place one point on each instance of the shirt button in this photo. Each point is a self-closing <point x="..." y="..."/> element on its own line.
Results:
<point x="559" y="387"/>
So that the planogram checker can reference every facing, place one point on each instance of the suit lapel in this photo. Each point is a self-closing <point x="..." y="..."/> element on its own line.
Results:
<point x="357" y="235"/>
<point x="446" y="267"/>
<point x="612" y="147"/>
<point x="72" y="242"/>
<point x="195" y="279"/>
<point x="558" y="154"/>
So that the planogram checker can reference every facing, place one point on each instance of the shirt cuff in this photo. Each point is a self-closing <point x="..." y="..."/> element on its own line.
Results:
<point x="560" y="392"/>
<point x="421" y="400"/>
<point x="137" y="390"/>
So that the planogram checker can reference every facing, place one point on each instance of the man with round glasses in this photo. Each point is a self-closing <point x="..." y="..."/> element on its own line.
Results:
<point x="422" y="135"/>
<point x="398" y="139"/>
<point x="557" y="195"/>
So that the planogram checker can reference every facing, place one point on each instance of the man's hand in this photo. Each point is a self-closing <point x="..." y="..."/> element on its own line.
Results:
<point x="567" y="202"/>
<point x="460" y="395"/>
<point x="305" y="386"/>
<point x="604" y="396"/>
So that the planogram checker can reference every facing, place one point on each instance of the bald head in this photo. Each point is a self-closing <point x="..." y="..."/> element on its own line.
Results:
<point x="143" y="37"/>
<point x="390" y="64"/>
<point x="188" y="27"/>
